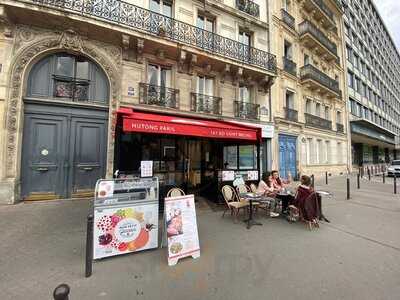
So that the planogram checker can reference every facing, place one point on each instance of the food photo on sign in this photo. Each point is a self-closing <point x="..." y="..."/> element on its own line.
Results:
<point x="122" y="230"/>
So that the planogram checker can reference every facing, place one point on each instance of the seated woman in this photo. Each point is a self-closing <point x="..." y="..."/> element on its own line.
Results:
<point x="266" y="189"/>
<point x="279" y="185"/>
<point x="306" y="202"/>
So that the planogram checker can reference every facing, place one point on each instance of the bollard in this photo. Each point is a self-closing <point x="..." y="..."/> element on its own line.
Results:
<point x="326" y="177"/>
<point x="369" y="174"/>
<point x="358" y="181"/>
<point x="348" y="188"/>
<point x="89" y="246"/>
<point x="394" y="184"/>
<point x="61" y="292"/>
<point x="312" y="180"/>
<point x="383" y="177"/>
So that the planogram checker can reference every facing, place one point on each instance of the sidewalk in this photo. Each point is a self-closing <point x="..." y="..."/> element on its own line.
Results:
<point x="356" y="256"/>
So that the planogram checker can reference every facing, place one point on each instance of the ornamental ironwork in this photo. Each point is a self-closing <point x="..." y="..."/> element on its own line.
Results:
<point x="291" y="115"/>
<point x="311" y="72"/>
<point x="246" y="110"/>
<point x="308" y="27"/>
<point x="288" y="19"/>
<point x="138" y="18"/>
<point x="158" y="95"/>
<point x="339" y="127"/>
<point x="319" y="122"/>
<point x="289" y="66"/>
<point x="248" y="7"/>
<point x="206" y="104"/>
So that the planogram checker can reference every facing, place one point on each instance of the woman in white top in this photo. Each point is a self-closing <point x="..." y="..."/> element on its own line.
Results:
<point x="266" y="189"/>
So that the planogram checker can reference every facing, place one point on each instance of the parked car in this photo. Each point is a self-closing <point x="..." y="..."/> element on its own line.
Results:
<point x="394" y="168"/>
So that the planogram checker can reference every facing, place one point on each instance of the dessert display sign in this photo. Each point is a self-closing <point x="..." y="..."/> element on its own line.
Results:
<point x="181" y="228"/>
<point x="125" y="216"/>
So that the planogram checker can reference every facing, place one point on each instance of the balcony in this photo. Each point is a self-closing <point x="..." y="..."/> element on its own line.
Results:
<point x="317" y="79"/>
<point x="289" y="66"/>
<point x="318" y="122"/>
<point x="158" y="95"/>
<point x="314" y="38"/>
<point x="246" y="110"/>
<point x="339" y="127"/>
<point x="249" y="7"/>
<point x="291" y="115"/>
<point x="206" y="104"/>
<point x="145" y="21"/>
<point x="288" y="19"/>
<point x="321" y="11"/>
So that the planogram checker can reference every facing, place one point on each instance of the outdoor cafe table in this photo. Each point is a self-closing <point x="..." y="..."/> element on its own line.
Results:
<point x="251" y="197"/>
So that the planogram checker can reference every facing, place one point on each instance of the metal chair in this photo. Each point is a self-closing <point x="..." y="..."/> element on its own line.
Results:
<point x="175" y="192"/>
<point x="232" y="201"/>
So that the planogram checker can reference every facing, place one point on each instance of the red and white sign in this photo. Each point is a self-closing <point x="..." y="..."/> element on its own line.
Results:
<point x="162" y="124"/>
<point x="181" y="228"/>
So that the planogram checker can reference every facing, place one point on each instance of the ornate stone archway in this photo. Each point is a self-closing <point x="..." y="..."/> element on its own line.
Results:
<point x="30" y="45"/>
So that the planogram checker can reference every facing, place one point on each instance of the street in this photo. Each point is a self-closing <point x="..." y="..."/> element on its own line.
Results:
<point x="356" y="256"/>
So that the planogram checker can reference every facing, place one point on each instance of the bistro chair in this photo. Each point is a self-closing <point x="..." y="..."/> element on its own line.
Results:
<point x="253" y="188"/>
<point x="243" y="189"/>
<point x="232" y="201"/>
<point x="175" y="192"/>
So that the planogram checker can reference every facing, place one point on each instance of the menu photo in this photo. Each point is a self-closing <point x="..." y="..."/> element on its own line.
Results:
<point x="181" y="228"/>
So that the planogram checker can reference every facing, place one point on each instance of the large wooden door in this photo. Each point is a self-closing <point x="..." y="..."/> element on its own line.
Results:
<point x="63" y="152"/>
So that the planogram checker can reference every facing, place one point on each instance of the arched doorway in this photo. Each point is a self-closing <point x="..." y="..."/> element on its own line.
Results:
<point x="65" y="128"/>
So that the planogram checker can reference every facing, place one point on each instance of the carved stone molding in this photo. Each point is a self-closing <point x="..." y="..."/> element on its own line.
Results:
<point x="139" y="50"/>
<point x="30" y="45"/>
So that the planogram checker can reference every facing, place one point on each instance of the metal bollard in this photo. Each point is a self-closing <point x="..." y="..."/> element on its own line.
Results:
<point x="358" y="181"/>
<point x="326" y="177"/>
<point x="348" y="188"/>
<point x="89" y="246"/>
<point x="383" y="177"/>
<point x="61" y="292"/>
<point x="369" y="174"/>
<point x="312" y="180"/>
<point x="394" y="184"/>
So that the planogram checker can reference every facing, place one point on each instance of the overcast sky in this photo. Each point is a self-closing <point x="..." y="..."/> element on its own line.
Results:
<point x="390" y="12"/>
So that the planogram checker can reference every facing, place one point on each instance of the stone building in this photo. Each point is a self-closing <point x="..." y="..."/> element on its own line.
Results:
<point x="309" y="106"/>
<point x="78" y="76"/>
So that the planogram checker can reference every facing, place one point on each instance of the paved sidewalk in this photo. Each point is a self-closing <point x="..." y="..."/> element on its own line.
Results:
<point x="356" y="256"/>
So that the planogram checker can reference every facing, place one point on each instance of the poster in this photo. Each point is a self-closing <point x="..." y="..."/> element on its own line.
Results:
<point x="121" y="230"/>
<point x="228" y="175"/>
<point x="105" y="189"/>
<point x="252" y="175"/>
<point x="181" y="228"/>
<point x="146" y="168"/>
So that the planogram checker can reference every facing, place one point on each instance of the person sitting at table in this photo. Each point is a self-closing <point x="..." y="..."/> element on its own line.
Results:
<point x="266" y="189"/>
<point x="305" y="202"/>
<point x="279" y="186"/>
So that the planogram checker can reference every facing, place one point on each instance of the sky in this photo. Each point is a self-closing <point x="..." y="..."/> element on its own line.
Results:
<point x="390" y="12"/>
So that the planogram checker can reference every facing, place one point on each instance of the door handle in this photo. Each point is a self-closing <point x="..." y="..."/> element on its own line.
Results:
<point x="88" y="168"/>
<point x="42" y="169"/>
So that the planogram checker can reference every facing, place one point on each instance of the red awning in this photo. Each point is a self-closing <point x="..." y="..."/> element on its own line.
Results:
<point x="165" y="124"/>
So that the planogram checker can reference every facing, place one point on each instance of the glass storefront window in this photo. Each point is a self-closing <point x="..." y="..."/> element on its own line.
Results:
<point x="230" y="157"/>
<point x="246" y="157"/>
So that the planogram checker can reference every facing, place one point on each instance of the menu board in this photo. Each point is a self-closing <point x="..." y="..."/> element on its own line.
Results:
<point x="228" y="175"/>
<point x="252" y="175"/>
<point x="181" y="228"/>
<point x="125" y="229"/>
<point x="146" y="168"/>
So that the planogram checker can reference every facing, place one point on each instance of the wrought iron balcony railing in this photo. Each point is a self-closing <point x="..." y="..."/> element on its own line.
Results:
<point x="308" y="27"/>
<point x="206" y="104"/>
<point x="137" y="18"/>
<point x="339" y="127"/>
<point x="319" y="122"/>
<point x="289" y="66"/>
<point x="324" y="8"/>
<point x="158" y="95"/>
<point x="291" y="115"/>
<point x="248" y="7"/>
<point x="246" y="110"/>
<point x="311" y="72"/>
<point x="288" y="19"/>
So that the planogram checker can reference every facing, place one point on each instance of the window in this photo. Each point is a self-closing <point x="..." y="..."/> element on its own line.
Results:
<point x="247" y="157"/>
<point x="159" y="76"/>
<point x="327" y="152"/>
<point x="205" y="85"/>
<point x="306" y="59"/>
<point x="286" y="5"/>
<point x="289" y="100"/>
<point x="339" y="153"/>
<point x="339" y="117"/>
<point x="327" y="113"/>
<point x="68" y="77"/>
<point x="350" y="79"/>
<point x="205" y="22"/>
<point x="318" y="109"/>
<point x="163" y="7"/>
<point x="287" y="50"/>
<point x="308" y="106"/>
<point x="310" y="151"/>
<point x="245" y="37"/>
<point x="244" y="93"/>
<point x="319" y="158"/>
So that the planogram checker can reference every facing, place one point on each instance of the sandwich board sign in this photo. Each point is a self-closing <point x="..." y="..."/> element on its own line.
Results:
<point x="181" y="228"/>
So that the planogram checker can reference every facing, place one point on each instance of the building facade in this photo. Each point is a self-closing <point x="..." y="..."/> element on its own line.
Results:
<point x="73" y="72"/>
<point x="373" y="86"/>
<point x="309" y="106"/>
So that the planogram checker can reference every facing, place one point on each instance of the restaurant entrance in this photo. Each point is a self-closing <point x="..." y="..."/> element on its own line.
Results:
<point x="193" y="158"/>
